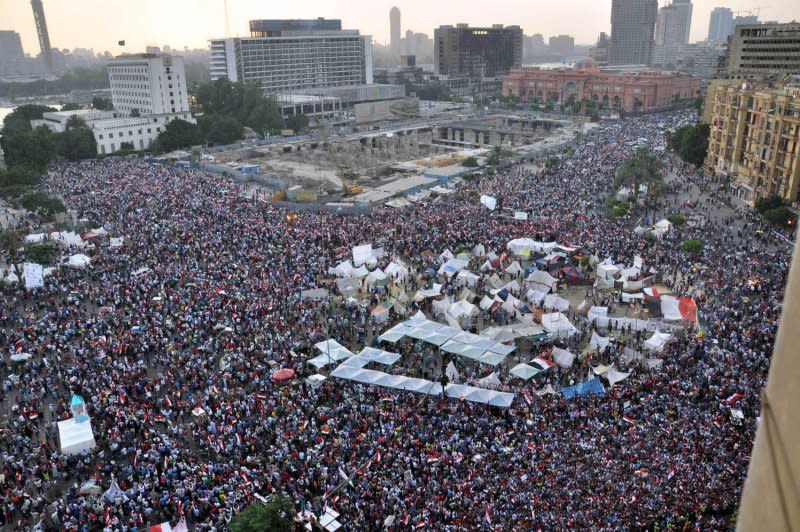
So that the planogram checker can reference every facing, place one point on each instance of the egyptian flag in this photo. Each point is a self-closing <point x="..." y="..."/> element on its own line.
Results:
<point x="735" y="398"/>
<point x="488" y="516"/>
<point x="542" y="364"/>
<point x="527" y="397"/>
<point x="627" y="419"/>
<point x="167" y="401"/>
<point x="163" y="527"/>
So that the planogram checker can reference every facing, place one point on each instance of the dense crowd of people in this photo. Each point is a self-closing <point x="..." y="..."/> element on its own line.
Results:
<point x="172" y="339"/>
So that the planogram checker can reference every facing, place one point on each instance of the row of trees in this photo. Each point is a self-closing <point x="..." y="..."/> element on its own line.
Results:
<point x="30" y="151"/>
<point x="227" y="108"/>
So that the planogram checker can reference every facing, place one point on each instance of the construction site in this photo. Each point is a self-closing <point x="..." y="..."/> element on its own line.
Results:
<point x="372" y="166"/>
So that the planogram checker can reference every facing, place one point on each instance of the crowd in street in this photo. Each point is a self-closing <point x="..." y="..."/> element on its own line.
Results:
<point x="172" y="339"/>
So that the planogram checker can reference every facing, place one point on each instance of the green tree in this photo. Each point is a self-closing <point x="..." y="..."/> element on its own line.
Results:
<point x="76" y="143"/>
<point x="265" y="118"/>
<point x="763" y="205"/>
<point x="298" y="123"/>
<point x="642" y="168"/>
<point x="102" y="104"/>
<point x="10" y="242"/>
<point x="676" y="219"/>
<point x="31" y="149"/>
<point x="178" y="134"/>
<point x="19" y="120"/>
<point x="42" y="204"/>
<point x="690" y="143"/>
<point x="40" y="253"/>
<point x="71" y="107"/>
<point x="494" y="156"/>
<point x="692" y="246"/>
<point x="782" y="216"/>
<point x="275" y="516"/>
<point x="219" y="129"/>
<point x="470" y="162"/>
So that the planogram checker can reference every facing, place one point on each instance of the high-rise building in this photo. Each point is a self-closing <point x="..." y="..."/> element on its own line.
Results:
<point x="632" y="25"/>
<point x="394" y="29"/>
<point x="600" y="51"/>
<point x="746" y="19"/>
<point x="755" y="136"/>
<point x="563" y="45"/>
<point x="152" y="84"/>
<point x="290" y="55"/>
<point x="11" y="55"/>
<point x="721" y="24"/>
<point x="758" y="50"/>
<point x="674" y="23"/>
<point x="477" y="53"/>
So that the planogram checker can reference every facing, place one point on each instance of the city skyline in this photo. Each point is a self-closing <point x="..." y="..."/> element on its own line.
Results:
<point x="147" y="22"/>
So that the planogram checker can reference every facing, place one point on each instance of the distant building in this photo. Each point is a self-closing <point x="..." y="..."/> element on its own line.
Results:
<point x="720" y="26"/>
<point x="674" y="23"/>
<point x="755" y="137"/>
<point x="476" y="53"/>
<point x="624" y="91"/>
<point x="12" y="57"/>
<point x="291" y="55"/>
<point x="700" y="59"/>
<point x="745" y="20"/>
<point x="632" y="27"/>
<point x="759" y="50"/>
<point x="152" y="84"/>
<point x="600" y="51"/>
<point x="563" y="45"/>
<point x="394" y="29"/>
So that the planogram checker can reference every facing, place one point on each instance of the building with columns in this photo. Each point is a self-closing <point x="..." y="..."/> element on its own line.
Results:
<point x="625" y="91"/>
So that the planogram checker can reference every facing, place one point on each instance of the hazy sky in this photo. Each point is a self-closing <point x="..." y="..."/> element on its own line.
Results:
<point x="99" y="24"/>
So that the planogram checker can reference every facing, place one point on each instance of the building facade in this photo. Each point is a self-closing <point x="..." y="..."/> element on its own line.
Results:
<point x="625" y="91"/>
<point x="632" y="27"/>
<point x="755" y="137"/>
<point x="674" y="23"/>
<point x="291" y="55"/>
<point x="476" y="53"/>
<point x="759" y="50"/>
<point x="150" y="83"/>
<point x="720" y="26"/>
<point x="563" y="45"/>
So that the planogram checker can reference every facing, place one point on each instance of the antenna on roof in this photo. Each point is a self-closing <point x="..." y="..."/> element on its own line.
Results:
<point x="227" y="23"/>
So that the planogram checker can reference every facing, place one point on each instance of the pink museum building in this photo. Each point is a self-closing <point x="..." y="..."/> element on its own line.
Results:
<point x="626" y="91"/>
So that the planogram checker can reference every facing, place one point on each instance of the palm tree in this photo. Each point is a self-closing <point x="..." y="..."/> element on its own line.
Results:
<point x="643" y="168"/>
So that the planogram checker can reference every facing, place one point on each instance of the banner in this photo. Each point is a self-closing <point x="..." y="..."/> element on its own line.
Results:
<point x="34" y="275"/>
<point x="489" y="202"/>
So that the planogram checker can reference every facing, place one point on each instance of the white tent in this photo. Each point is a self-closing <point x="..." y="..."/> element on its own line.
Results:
<point x="463" y="309"/>
<point x="562" y="357"/>
<point x="558" y="323"/>
<point x="424" y="293"/>
<point x="662" y="227"/>
<point x="76" y="437"/>
<point x="552" y="301"/>
<point x="599" y="342"/>
<point x="489" y="202"/>
<point x="452" y="266"/>
<point x="523" y="371"/>
<point x="34" y="238"/>
<point x="452" y="372"/>
<point x="79" y="260"/>
<point x="68" y="238"/>
<point x="479" y="250"/>
<point x="606" y="272"/>
<point x="490" y="380"/>
<point x="657" y="341"/>
<point x="440" y="306"/>
<point x="467" y="278"/>
<point x="377" y="277"/>
<point x="445" y="256"/>
<point x="380" y="314"/>
<point x="363" y="254"/>
<point x="348" y="285"/>
<point x="541" y="281"/>
<point x="359" y="272"/>
<point x="614" y="376"/>
<point x="487" y="302"/>
<point x="343" y="269"/>
<point x="535" y="296"/>
<point x="332" y="351"/>
<point x="397" y="270"/>
<point x="514" y="268"/>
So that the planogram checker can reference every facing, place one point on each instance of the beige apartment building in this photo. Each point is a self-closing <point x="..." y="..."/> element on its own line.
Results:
<point x="755" y="136"/>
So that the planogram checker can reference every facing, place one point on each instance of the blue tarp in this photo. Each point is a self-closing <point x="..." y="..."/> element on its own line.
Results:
<point x="592" y="387"/>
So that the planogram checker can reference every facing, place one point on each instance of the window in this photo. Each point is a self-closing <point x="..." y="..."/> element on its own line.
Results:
<point x="111" y="135"/>
<point x="100" y="137"/>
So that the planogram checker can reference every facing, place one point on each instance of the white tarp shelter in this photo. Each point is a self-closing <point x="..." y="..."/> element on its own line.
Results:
<point x="489" y="202"/>
<point x="657" y="341"/>
<point x="78" y="260"/>
<point x="563" y="358"/>
<point x="76" y="437"/>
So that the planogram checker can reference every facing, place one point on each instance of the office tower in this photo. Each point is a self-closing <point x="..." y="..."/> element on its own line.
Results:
<point x="632" y="25"/>
<point x="152" y="84"/>
<point x="394" y="29"/>
<point x="721" y="24"/>
<point x="288" y="55"/>
<point x="759" y="50"/>
<point x="476" y="53"/>
<point x="674" y="23"/>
